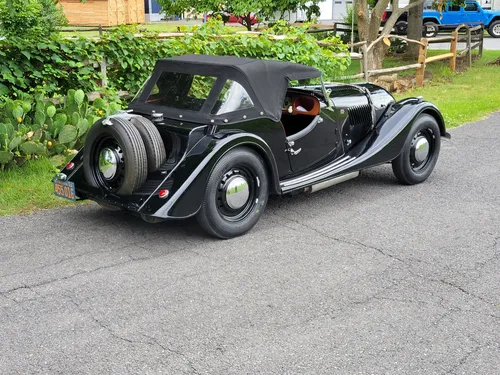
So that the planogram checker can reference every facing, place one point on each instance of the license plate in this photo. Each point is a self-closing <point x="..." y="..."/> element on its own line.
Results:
<point x="64" y="189"/>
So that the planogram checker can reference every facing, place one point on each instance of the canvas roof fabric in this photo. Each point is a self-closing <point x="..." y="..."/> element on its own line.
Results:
<point x="265" y="80"/>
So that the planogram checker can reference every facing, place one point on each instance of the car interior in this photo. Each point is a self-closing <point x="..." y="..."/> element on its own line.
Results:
<point x="300" y="113"/>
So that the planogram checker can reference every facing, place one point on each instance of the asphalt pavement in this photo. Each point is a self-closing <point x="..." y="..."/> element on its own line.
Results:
<point x="366" y="277"/>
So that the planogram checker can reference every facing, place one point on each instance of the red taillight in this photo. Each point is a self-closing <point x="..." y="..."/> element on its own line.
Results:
<point x="163" y="193"/>
<point x="70" y="166"/>
<point x="384" y="16"/>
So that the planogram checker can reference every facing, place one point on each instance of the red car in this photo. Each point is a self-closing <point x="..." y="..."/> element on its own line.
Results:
<point x="230" y="18"/>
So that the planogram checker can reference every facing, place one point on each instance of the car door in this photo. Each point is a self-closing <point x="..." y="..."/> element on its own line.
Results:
<point x="473" y="14"/>
<point x="319" y="141"/>
<point x="454" y="15"/>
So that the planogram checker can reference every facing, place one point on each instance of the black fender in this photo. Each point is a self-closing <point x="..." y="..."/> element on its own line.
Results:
<point x="393" y="130"/>
<point x="190" y="177"/>
<point x="382" y="145"/>
<point x="431" y="19"/>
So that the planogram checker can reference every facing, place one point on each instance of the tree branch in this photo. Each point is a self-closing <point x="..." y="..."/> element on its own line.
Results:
<point x="396" y="12"/>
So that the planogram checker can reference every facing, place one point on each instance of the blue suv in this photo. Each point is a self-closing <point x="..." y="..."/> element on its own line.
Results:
<point x="453" y="15"/>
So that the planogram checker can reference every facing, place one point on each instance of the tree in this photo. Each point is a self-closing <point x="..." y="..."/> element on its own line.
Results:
<point x="369" y="21"/>
<point x="30" y="18"/>
<point x="245" y="10"/>
<point x="415" y="28"/>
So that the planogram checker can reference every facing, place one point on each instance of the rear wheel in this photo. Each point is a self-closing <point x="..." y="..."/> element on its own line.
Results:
<point x="420" y="152"/>
<point x="494" y="29"/>
<point x="236" y="194"/>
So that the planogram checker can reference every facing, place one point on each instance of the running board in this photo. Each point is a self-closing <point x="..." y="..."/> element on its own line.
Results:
<point x="314" y="176"/>
<point x="333" y="181"/>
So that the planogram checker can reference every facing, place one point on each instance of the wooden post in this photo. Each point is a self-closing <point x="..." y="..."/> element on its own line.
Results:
<point x="422" y="55"/>
<point x="364" y="61"/>
<point x="104" y="64"/>
<point x="469" y="49"/>
<point x="453" y="49"/>
<point x="481" y="40"/>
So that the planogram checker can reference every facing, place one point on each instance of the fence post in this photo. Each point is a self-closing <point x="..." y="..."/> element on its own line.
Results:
<point x="481" y="39"/>
<point x="422" y="55"/>
<point x="364" y="61"/>
<point x="469" y="45"/>
<point x="453" y="49"/>
<point x="103" y="64"/>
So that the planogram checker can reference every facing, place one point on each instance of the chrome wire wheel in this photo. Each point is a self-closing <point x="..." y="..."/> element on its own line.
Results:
<point x="236" y="193"/>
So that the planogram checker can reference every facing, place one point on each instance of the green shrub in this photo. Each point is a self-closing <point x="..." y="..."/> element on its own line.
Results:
<point x="35" y="126"/>
<point x="30" y="18"/>
<point x="56" y="65"/>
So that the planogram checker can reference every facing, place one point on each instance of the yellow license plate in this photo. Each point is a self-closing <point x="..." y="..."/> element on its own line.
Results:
<point x="64" y="189"/>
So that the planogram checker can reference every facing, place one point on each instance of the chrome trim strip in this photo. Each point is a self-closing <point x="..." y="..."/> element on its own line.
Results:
<point x="310" y="178"/>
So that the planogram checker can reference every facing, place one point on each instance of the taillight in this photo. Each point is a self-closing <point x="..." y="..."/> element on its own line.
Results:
<point x="70" y="166"/>
<point x="163" y="193"/>
<point x="384" y="16"/>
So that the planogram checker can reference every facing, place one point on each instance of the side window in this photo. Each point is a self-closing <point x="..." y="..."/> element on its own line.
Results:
<point x="471" y="7"/>
<point x="181" y="90"/>
<point x="454" y="8"/>
<point x="233" y="97"/>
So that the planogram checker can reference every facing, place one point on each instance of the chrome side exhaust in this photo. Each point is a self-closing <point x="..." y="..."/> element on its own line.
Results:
<point x="333" y="181"/>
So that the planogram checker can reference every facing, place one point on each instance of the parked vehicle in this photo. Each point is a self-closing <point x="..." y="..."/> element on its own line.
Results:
<point x="231" y="18"/>
<point x="471" y="14"/>
<point x="214" y="136"/>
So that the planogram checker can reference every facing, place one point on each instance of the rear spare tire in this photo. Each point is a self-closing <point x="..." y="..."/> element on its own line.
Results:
<point x="155" y="149"/>
<point x="114" y="157"/>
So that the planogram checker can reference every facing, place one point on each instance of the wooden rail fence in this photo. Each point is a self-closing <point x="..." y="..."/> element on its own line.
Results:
<point x="472" y="41"/>
<point x="473" y="38"/>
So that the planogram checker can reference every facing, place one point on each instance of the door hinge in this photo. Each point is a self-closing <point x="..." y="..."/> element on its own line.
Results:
<point x="291" y="150"/>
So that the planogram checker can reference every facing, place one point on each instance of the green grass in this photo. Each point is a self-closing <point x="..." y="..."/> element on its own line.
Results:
<point x="28" y="188"/>
<point x="467" y="96"/>
<point x="461" y="97"/>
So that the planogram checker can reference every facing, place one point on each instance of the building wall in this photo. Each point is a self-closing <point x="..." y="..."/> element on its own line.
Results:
<point x="92" y="12"/>
<point x="103" y="12"/>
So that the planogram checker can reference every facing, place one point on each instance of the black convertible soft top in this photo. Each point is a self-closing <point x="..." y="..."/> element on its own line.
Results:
<point x="265" y="80"/>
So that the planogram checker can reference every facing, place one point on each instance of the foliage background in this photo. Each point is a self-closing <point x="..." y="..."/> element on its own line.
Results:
<point x="54" y="64"/>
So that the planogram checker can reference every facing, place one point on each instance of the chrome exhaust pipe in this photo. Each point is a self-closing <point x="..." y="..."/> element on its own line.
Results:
<point x="333" y="181"/>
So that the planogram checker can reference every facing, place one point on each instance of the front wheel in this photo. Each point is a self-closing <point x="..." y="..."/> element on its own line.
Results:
<point x="420" y="152"/>
<point x="430" y="29"/>
<point x="236" y="194"/>
<point x="494" y="29"/>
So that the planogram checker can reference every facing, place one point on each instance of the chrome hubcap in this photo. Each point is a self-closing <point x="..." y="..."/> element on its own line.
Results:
<point x="496" y="29"/>
<point x="237" y="192"/>
<point x="108" y="162"/>
<point x="421" y="149"/>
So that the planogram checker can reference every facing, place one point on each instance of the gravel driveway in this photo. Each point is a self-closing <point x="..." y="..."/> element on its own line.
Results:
<point x="367" y="277"/>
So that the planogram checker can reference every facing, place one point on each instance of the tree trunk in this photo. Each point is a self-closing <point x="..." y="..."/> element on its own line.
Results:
<point x="246" y="20"/>
<point x="415" y="25"/>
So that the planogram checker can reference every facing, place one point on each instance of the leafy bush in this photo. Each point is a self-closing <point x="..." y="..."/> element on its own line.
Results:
<point x="30" y="18"/>
<point x="36" y="126"/>
<point x="57" y="65"/>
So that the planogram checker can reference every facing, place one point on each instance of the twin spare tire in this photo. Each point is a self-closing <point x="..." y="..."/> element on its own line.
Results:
<point x="120" y="151"/>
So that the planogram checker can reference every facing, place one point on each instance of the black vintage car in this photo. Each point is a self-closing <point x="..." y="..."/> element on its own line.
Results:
<point x="214" y="136"/>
